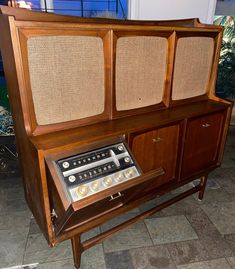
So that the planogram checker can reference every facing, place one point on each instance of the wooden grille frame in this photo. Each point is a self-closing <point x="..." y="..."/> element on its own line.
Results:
<point x="109" y="33"/>
<point x="25" y="33"/>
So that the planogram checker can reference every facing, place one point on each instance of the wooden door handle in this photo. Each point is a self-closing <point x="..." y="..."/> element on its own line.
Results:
<point x="206" y="125"/>
<point x="157" y="140"/>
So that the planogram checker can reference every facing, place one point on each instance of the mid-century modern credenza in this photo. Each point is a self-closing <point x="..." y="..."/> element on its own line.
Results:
<point x="110" y="114"/>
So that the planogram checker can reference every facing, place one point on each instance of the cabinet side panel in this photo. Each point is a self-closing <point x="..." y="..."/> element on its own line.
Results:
<point x="28" y="155"/>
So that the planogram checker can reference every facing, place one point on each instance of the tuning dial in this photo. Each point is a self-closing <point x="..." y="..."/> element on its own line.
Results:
<point x="95" y="186"/>
<point x="65" y="164"/>
<point x="82" y="191"/>
<point x="127" y="160"/>
<point x="72" y="178"/>
<point x="118" y="177"/>
<point x="129" y="173"/>
<point x="120" y="148"/>
<point x="108" y="181"/>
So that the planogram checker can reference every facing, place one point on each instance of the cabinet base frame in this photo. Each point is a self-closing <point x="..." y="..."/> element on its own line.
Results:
<point x="79" y="247"/>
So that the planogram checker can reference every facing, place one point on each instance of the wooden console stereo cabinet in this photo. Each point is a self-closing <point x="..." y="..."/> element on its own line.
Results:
<point x="133" y="94"/>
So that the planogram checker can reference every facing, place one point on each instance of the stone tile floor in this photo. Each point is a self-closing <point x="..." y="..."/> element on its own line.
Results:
<point x="187" y="235"/>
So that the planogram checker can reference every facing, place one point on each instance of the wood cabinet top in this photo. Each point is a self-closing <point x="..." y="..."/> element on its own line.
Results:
<point x="80" y="136"/>
<point x="28" y="15"/>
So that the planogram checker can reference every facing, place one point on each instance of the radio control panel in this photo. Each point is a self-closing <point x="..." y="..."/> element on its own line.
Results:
<point x="88" y="173"/>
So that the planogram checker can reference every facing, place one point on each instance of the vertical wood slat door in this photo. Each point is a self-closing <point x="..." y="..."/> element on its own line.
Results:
<point x="158" y="148"/>
<point x="201" y="143"/>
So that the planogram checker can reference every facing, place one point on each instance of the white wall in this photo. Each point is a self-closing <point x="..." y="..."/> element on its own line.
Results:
<point x="172" y="9"/>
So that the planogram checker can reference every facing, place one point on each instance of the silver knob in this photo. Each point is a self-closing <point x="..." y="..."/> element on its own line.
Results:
<point x="95" y="186"/>
<point x="127" y="160"/>
<point x="129" y="173"/>
<point x="65" y="164"/>
<point x="120" y="148"/>
<point x="118" y="177"/>
<point x="108" y="181"/>
<point x="72" y="178"/>
<point x="82" y="191"/>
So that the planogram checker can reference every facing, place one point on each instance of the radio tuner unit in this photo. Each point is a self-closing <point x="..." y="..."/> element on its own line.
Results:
<point x="88" y="173"/>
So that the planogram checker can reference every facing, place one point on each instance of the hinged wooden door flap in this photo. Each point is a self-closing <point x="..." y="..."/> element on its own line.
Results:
<point x="86" y="183"/>
<point x="89" y="209"/>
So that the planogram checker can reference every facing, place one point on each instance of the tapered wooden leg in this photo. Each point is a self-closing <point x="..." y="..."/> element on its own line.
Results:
<point x="77" y="250"/>
<point x="203" y="186"/>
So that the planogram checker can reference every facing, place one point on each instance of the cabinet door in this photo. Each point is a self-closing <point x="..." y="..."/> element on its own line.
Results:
<point x="156" y="149"/>
<point x="201" y="143"/>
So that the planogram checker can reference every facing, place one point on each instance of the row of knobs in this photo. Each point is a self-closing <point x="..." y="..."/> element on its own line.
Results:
<point x="107" y="182"/>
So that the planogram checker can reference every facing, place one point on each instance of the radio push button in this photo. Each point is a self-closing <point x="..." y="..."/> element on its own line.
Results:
<point x="108" y="181"/>
<point x="82" y="191"/>
<point x="127" y="160"/>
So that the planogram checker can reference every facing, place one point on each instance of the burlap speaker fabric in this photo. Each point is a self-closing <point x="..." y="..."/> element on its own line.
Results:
<point x="192" y="67"/>
<point x="140" y="71"/>
<point x="66" y="76"/>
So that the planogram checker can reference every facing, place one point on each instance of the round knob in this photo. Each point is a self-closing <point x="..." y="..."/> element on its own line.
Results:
<point x="82" y="191"/>
<point x="72" y="178"/>
<point x="108" y="181"/>
<point x="118" y="177"/>
<point x="65" y="164"/>
<point x="127" y="160"/>
<point x="129" y="173"/>
<point x="120" y="148"/>
<point x="95" y="186"/>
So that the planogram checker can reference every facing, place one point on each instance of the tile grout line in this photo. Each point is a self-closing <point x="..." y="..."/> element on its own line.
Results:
<point x="192" y="262"/>
<point x="166" y="245"/>
<point x="26" y="243"/>
<point x="148" y="231"/>
<point x="102" y="243"/>
<point x="212" y="221"/>
<point x="226" y="258"/>
<point x="218" y="233"/>
<point x="67" y="259"/>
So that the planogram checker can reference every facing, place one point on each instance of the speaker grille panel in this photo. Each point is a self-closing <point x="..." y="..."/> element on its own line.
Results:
<point x="140" y="71"/>
<point x="192" y="67"/>
<point x="67" y="77"/>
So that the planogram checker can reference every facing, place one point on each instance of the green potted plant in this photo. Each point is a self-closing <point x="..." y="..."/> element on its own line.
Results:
<point x="226" y="75"/>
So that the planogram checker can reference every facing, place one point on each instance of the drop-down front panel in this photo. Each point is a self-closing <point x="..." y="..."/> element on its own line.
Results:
<point x="88" y="173"/>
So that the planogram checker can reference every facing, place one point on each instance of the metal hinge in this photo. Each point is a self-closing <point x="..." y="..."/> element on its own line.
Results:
<point x="53" y="214"/>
